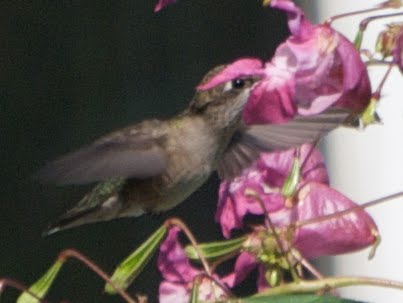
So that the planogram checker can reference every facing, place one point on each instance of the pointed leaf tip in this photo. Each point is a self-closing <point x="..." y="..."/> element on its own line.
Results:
<point x="131" y="267"/>
<point x="42" y="286"/>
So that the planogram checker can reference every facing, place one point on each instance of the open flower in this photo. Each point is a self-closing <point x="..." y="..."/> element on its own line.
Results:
<point x="179" y="275"/>
<point x="314" y="69"/>
<point x="265" y="178"/>
<point x="305" y="229"/>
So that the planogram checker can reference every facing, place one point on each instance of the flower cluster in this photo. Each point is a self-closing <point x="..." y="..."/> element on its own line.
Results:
<point x="314" y="70"/>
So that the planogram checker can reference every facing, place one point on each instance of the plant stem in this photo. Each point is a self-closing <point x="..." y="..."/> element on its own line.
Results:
<point x="333" y="282"/>
<point x="179" y="223"/>
<point x="71" y="253"/>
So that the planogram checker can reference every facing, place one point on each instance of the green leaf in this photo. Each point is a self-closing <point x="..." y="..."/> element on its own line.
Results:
<point x="306" y="298"/>
<point x="215" y="250"/>
<point x="41" y="287"/>
<point x="131" y="267"/>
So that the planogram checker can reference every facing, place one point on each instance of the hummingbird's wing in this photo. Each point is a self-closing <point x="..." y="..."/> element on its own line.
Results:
<point x="134" y="152"/>
<point x="251" y="140"/>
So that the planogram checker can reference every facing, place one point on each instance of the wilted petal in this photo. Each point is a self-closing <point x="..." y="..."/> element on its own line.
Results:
<point x="343" y="234"/>
<point x="162" y="4"/>
<point x="265" y="178"/>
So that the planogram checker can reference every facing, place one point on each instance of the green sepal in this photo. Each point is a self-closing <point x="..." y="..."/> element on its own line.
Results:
<point x="369" y="115"/>
<point x="194" y="297"/>
<point x="131" y="267"/>
<point x="293" y="178"/>
<point x="358" y="39"/>
<point x="216" y="250"/>
<point x="41" y="287"/>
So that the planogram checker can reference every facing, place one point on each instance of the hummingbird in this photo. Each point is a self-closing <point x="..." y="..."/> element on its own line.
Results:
<point x="156" y="164"/>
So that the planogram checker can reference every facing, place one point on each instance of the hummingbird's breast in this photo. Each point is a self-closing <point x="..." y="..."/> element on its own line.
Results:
<point x="191" y="149"/>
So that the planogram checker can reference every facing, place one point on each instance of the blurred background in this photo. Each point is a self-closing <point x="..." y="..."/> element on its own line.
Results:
<point x="71" y="71"/>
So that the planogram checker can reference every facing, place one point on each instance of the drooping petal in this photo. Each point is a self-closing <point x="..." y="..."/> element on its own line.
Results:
<point x="179" y="274"/>
<point x="173" y="262"/>
<point x="330" y="236"/>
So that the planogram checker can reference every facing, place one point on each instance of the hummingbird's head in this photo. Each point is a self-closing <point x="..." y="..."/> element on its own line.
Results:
<point x="224" y="91"/>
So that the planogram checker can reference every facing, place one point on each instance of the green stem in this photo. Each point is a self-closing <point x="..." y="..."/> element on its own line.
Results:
<point x="179" y="223"/>
<point x="348" y="210"/>
<point x="71" y="253"/>
<point x="326" y="283"/>
<point x="350" y="14"/>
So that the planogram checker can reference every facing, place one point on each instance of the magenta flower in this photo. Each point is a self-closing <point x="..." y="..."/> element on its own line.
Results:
<point x="314" y="69"/>
<point x="179" y="274"/>
<point x="162" y="4"/>
<point x="329" y="236"/>
<point x="266" y="178"/>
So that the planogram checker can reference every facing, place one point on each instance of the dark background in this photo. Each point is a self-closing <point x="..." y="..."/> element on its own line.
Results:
<point x="71" y="71"/>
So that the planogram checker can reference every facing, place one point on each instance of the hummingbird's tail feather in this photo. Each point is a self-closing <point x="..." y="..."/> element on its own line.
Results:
<point x="103" y="203"/>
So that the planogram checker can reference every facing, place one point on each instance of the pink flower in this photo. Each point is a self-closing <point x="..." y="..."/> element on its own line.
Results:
<point x="179" y="274"/>
<point x="343" y="233"/>
<point x="314" y="69"/>
<point x="266" y="178"/>
<point x="162" y="4"/>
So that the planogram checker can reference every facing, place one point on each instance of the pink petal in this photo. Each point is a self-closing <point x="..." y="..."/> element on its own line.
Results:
<point x="272" y="100"/>
<point x="173" y="262"/>
<point x="339" y="235"/>
<point x="398" y="52"/>
<point x="171" y="292"/>
<point x="244" y="265"/>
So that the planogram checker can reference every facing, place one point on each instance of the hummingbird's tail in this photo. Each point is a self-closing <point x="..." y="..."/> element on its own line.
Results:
<point x="102" y="203"/>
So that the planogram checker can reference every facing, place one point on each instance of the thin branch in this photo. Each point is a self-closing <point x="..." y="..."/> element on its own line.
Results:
<point x="179" y="223"/>
<point x="71" y="253"/>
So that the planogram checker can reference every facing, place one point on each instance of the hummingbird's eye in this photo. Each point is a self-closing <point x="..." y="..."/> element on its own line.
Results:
<point x="238" y="83"/>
